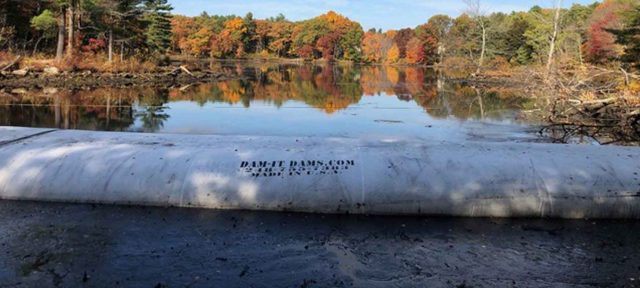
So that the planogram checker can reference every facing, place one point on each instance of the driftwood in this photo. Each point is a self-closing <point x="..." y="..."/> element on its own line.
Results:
<point x="185" y="87"/>
<point x="183" y="68"/>
<point x="607" y="121"/>
<point x="180" y="69"/>
<point x="11" y="64"/>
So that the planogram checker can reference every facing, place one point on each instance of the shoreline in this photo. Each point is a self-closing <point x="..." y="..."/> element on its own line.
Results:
<point x="92" y="80"/>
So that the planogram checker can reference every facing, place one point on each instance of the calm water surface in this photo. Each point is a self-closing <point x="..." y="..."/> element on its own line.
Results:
<point x="300" y="100"/>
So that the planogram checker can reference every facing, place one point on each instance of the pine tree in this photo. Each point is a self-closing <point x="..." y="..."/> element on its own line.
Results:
<point x="158" y="17"/>
<point x="630" y="38"/>
<point x="119" y="19"/>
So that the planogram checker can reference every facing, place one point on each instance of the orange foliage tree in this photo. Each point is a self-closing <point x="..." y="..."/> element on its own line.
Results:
<point x="229" y="41"/>
<point x="198" y="43"/>
<point x="181" y="27"/>
<point x="415" y="51"/>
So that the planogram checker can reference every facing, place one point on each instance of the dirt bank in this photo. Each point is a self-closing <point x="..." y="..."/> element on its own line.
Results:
<point x="89" y="80"/>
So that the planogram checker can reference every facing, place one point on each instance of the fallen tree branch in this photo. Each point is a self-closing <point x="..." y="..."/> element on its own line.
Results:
<point x="180" y="69"/>
<point x="612" y="120"/>
<point x="11" y="64"/>
<point x="184" y="68"/>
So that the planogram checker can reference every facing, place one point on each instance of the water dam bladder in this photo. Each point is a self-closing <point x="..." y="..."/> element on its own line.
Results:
<point x="388" y="176"/>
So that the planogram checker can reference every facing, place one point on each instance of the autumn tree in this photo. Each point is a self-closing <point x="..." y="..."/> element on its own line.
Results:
<point x="261" y="36"/>
<point x="429" y="36"/>
<point x="438" y="29"/>
<point x="375" y="47"/>
<point x="401" y="40"/>
<point x="305" y="35"/>
<point x="199" y="43"/>
<point x="280" y="37"/>
<point x="393" y="55"/>
<point x="343" y="33"/>
<point x="306" y="51"/>
<point x="231" y="41"/>
<point x="601" y="44"/>
<point x="415" y="51"/>
<point x="181" y="28"/>
<point x="328" y="45"/>
<point x="574" y="31"/>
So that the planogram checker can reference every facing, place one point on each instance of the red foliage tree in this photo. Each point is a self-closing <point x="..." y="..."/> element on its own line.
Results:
<point x="430" y="39"/>
<point x="306" y="51"/>
<point x="415" y="51"/>
<point x="402" y="38"/>
<point x="94" y="45"/>
<point x="328" y="44"/>
<point x="601" y="44"/>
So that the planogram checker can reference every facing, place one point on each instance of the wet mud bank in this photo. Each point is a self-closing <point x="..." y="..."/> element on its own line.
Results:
<point x="65" y="245"/>
<point x="89" y="80"/>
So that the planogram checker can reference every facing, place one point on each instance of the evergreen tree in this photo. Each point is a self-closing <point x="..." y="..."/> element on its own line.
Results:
<point x="249" y="36"/>
<point x="630" y="38"/>
<point x="158" y="17"/>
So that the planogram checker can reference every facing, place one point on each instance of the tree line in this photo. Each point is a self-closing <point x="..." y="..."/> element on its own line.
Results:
<point x="68" y="27"/>
<point x="599" y="33"/>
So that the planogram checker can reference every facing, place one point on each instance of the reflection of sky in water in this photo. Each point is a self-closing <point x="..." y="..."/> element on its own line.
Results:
<point x="374" y="116"/>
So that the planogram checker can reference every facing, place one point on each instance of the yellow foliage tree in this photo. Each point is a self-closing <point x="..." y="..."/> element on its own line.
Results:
<point x="394" y="54"/>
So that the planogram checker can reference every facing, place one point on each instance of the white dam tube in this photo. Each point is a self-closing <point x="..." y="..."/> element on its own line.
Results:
<point x="328" y="175"/>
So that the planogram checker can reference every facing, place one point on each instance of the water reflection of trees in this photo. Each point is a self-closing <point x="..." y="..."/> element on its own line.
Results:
<point x="335" y="87"/>
<point x="329" y="88"/>
<point x="99" y="109"/>
<point x="152" y="110"/>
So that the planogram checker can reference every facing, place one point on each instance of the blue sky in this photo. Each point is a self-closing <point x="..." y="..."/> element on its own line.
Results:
<point x="385" y="14"/>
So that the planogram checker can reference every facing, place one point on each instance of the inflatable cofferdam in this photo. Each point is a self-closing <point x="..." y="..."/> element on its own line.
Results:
<point x="321" y="175"/>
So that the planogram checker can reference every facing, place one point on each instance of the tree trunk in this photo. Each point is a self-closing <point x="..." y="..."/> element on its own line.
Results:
<point x="110" y="45"/>
<point x="70" y="28"/>
<point x="580" y="51"/>
<point x="60" y="47"/>
<point x="554" y="36"/>
<point x="484" y="47"/>
<point x="35" y="47"/>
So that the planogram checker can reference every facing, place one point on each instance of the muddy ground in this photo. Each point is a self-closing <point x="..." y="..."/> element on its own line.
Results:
<point x="89" y="80"/>
<point x="64" y="245"/>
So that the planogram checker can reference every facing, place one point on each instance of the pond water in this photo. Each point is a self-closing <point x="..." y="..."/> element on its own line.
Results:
<point x="291" y="99"/>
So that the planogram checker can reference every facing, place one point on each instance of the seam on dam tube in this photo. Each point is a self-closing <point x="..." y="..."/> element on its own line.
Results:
<point x="8" y="142"/>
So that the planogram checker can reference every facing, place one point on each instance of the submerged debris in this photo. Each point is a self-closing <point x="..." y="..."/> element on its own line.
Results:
<point x="607" y="121"/>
